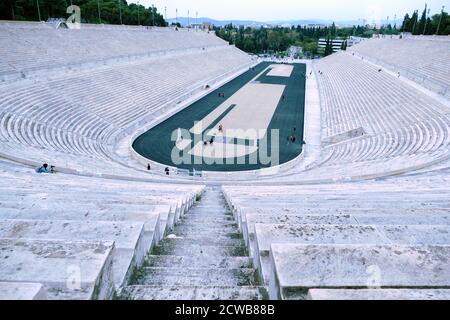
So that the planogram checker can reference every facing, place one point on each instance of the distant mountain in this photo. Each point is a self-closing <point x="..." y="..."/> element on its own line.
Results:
<point x="219" y="23"/>
<point x="300" y="22"/>
<point x="284" y="23"/>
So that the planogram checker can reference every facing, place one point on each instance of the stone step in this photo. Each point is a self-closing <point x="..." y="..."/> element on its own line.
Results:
<point x="215" y="238"/>
<point x="86" y="266"/>
<point x="215" y="230"/>
<point x="200" y="251"/>
<point x="219" y="231"/>
<point x="379" y="294"/>
<point x="208" y="212"/>
<point x="220" y="220"/>
<point x="348" y="208"/>
<point x="198" y="277"/>
<point x="164" y="292"/>
<point x="22" y="291"/>
<point x="211" y="209"/>
<point x="213" y="204"/>
<point x="203" y="240"/>
<point x="200" y="224"/>
<point x="184" y="261"/>
<point x="297" y="268"/>
<point x="132" y="241"/>
<point x="203" y="258"/>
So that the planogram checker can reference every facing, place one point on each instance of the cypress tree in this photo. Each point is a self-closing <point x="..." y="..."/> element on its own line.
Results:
<point x="414" y="21"/>
<point x="328" y="47"/>
<point x="423" y="19"/>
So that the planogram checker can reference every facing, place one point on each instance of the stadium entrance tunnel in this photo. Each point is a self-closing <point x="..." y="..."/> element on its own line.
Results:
<point x="253" y="122"/>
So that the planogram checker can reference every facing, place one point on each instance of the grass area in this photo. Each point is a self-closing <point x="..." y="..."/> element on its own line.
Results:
<point x="156" y="143"/>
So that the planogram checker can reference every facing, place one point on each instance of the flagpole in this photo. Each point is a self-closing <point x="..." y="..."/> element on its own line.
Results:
<point x="39" y="10"/>
<point x="99" y="14"/>
<point x="120" y="11"/>
<point x="440" y="20"/>
<point x="426" y="21"/>
<point x="153" y="14"/>
<point x="139" y="14"/>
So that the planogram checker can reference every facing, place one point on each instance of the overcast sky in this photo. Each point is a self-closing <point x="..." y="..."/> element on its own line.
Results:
<point x="266" y="10"/>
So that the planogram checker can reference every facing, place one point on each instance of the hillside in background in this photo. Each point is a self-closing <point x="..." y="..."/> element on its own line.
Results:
<point x="184" y="21"/>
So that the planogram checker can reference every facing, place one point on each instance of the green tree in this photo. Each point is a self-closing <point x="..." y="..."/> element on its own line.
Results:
<point x="422" y="21"/>
<point x="413" y="23"/>
<point x="333" y="31"/>
<point x="441" y="21"/>
<point x="109" y="10"/>
<point x="429" y="24"/>
<point x="328" y="47"/>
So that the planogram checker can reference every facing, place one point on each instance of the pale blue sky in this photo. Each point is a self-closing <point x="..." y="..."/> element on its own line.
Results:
<point x="266" y="10"/>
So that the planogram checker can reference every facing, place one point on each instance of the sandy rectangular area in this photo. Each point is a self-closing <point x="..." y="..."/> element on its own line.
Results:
<point x="219" y="150"/>
<point x="200" y="126"/>
<point x="281" y="70"/>
<point x="255" y="106"/>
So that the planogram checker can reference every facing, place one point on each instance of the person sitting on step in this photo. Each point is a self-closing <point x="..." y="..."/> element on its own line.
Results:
<point x="43" y="169"/>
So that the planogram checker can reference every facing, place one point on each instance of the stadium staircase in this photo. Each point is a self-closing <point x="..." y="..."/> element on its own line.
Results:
<point x="204" y="258"/>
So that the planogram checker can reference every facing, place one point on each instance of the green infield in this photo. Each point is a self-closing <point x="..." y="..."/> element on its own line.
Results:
<point x="268" y="98"/>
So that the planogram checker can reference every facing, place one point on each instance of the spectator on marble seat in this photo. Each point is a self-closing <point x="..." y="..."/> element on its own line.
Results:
<point x="43" y="169"/>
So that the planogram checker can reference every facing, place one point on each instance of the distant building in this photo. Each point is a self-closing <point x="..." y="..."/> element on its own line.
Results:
<point x="201" y="26"/>
<point x="337" y="43"/>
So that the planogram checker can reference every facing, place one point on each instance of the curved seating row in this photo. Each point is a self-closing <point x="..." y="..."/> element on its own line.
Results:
<point x="422" y="60"/>
<point x="303" y="237"/>
<point x="75" y="115"/>
<point x="28" y="47"/>
<point x="400" y="124"/>
<point x="95" y="244"/>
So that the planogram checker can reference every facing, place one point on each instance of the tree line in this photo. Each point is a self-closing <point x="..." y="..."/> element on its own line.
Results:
<point x="426" y="25"/>
<point x="279" y="39"/>
<point x="111" y="11"/>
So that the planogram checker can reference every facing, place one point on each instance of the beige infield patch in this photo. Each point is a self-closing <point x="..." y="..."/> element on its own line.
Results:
<point x="256" y="104"/>
<point x="254" y="107"/>
<point x="281" y="70"/>
<point x="220" y="150"/>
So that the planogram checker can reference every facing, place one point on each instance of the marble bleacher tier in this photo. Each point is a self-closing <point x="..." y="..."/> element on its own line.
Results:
<point x="38" y="46"/>
<point x="379" y="294"/>
<point x="405" y="220"/>
<point x="422" y="60"/>
<point x="403" y="129"/>
<point x="67" y="119"/>
<point x="53" y="238"/>
<point x="306" y="241"/>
